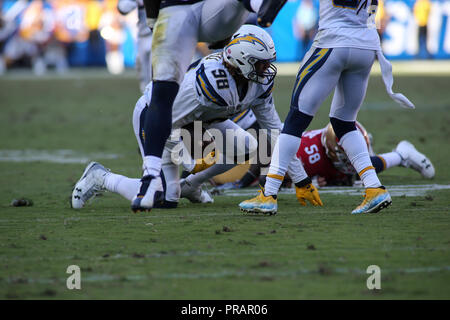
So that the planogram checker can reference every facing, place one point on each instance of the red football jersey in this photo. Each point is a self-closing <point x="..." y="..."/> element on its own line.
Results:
<point x="314" y="158"/>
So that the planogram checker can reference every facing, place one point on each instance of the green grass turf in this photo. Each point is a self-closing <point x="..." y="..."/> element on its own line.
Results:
<point x="212" y="251"/>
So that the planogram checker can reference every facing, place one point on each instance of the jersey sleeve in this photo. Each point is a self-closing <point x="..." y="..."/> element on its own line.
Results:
<point x="211" y="85"/>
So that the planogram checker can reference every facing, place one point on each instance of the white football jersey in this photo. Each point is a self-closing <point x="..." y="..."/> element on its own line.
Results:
<point x="245" y="119"/>
<point x="347" y="23"/>
<point x="209" y="93"/>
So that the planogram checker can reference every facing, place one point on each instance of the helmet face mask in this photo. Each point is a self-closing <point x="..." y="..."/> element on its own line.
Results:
<point x="335" y="152"/>
<point x="264" y="71"/>
<point x="251" y="51"/>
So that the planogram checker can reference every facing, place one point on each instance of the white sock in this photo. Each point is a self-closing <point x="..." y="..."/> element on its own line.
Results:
<point x="172" y="177"/>
<point x="152" y="166"/>
<point x="391" y="159"/>
<point x="296" y="170"/>
<point x="283" y="152"/>
<point x="122" y="185"/>
<point x="355" y="147"/>
<point x="202" y="176"/>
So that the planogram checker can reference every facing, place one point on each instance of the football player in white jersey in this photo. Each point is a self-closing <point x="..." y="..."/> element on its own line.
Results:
<point x="178" y="26"/>
<point x="214" y="90"/>
<point x="340" y="59"/>
<point x="144" y="40"/>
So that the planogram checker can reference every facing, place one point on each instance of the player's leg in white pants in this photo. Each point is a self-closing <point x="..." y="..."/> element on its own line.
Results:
<point x="175" y="37"/>
<point x="317" y="77"/>
<point x="234" y="145"/>
<point x="171" y="174"/>
<point x="323" y="70"/>
<point x="348" y="97"/>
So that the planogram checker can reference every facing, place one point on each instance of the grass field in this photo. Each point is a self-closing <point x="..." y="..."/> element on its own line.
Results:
<point x="210" y="251"/>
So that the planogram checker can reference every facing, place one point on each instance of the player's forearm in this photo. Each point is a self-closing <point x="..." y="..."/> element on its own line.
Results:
<point x="126" y="6"/>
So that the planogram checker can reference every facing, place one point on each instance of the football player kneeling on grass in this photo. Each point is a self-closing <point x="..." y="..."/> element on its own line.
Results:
<point x="214" y="90"/>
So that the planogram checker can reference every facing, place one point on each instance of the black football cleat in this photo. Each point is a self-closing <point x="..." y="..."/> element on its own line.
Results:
<point x="268" y="12"/>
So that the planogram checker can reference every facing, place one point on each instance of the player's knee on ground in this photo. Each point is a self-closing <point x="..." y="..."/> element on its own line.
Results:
<point x="173" y="191"/>
<point x="170" y="174"/>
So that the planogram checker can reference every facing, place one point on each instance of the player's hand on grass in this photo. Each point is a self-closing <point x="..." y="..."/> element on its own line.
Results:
<point x="308" y="193"/>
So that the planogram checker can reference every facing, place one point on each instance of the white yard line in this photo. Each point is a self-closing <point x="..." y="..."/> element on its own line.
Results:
<point x="224" y="274"/>
<point x="276" y="250"/>
<point x="53" y="156"/>
<point x="410" y="190"/>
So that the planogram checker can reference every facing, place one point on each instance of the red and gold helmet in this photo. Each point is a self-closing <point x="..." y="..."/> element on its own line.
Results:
<point x="336" y="153"/>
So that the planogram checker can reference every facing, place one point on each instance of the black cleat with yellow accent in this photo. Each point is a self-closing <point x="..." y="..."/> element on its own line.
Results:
<point x="268" y="12"/>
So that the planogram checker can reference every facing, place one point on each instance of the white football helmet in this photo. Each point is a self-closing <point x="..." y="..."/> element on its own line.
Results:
<point x="251" y="50"/>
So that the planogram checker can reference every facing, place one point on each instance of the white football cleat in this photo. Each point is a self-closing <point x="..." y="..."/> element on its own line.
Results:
<point x="91" y="182"/>
<point x="411" y="158"/>
<point x="195" y="194"/>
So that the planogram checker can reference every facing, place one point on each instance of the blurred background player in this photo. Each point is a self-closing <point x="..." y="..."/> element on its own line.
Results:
<point x="8" y="29"/>
<point x="381" y="19"/>
<point x="341" y="58"/>
<point x="178" y="26"/>
<point x="144" y="40"/>
<point x="305" y="26"/>
<point x="111" y="27"/>
<point x="30" y="36"/>
<point x="243" y="72"/>
<point x="421" y="15"/>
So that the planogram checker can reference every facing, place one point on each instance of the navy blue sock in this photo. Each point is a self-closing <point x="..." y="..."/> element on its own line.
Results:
<point x="377" y="163"/>
<point x="296" y="122"/>
<point x="341" y="127"/>
<point x="158" y="120"/>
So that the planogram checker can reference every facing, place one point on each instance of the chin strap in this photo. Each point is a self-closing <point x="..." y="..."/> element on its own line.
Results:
<point x="388" y="79"/>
